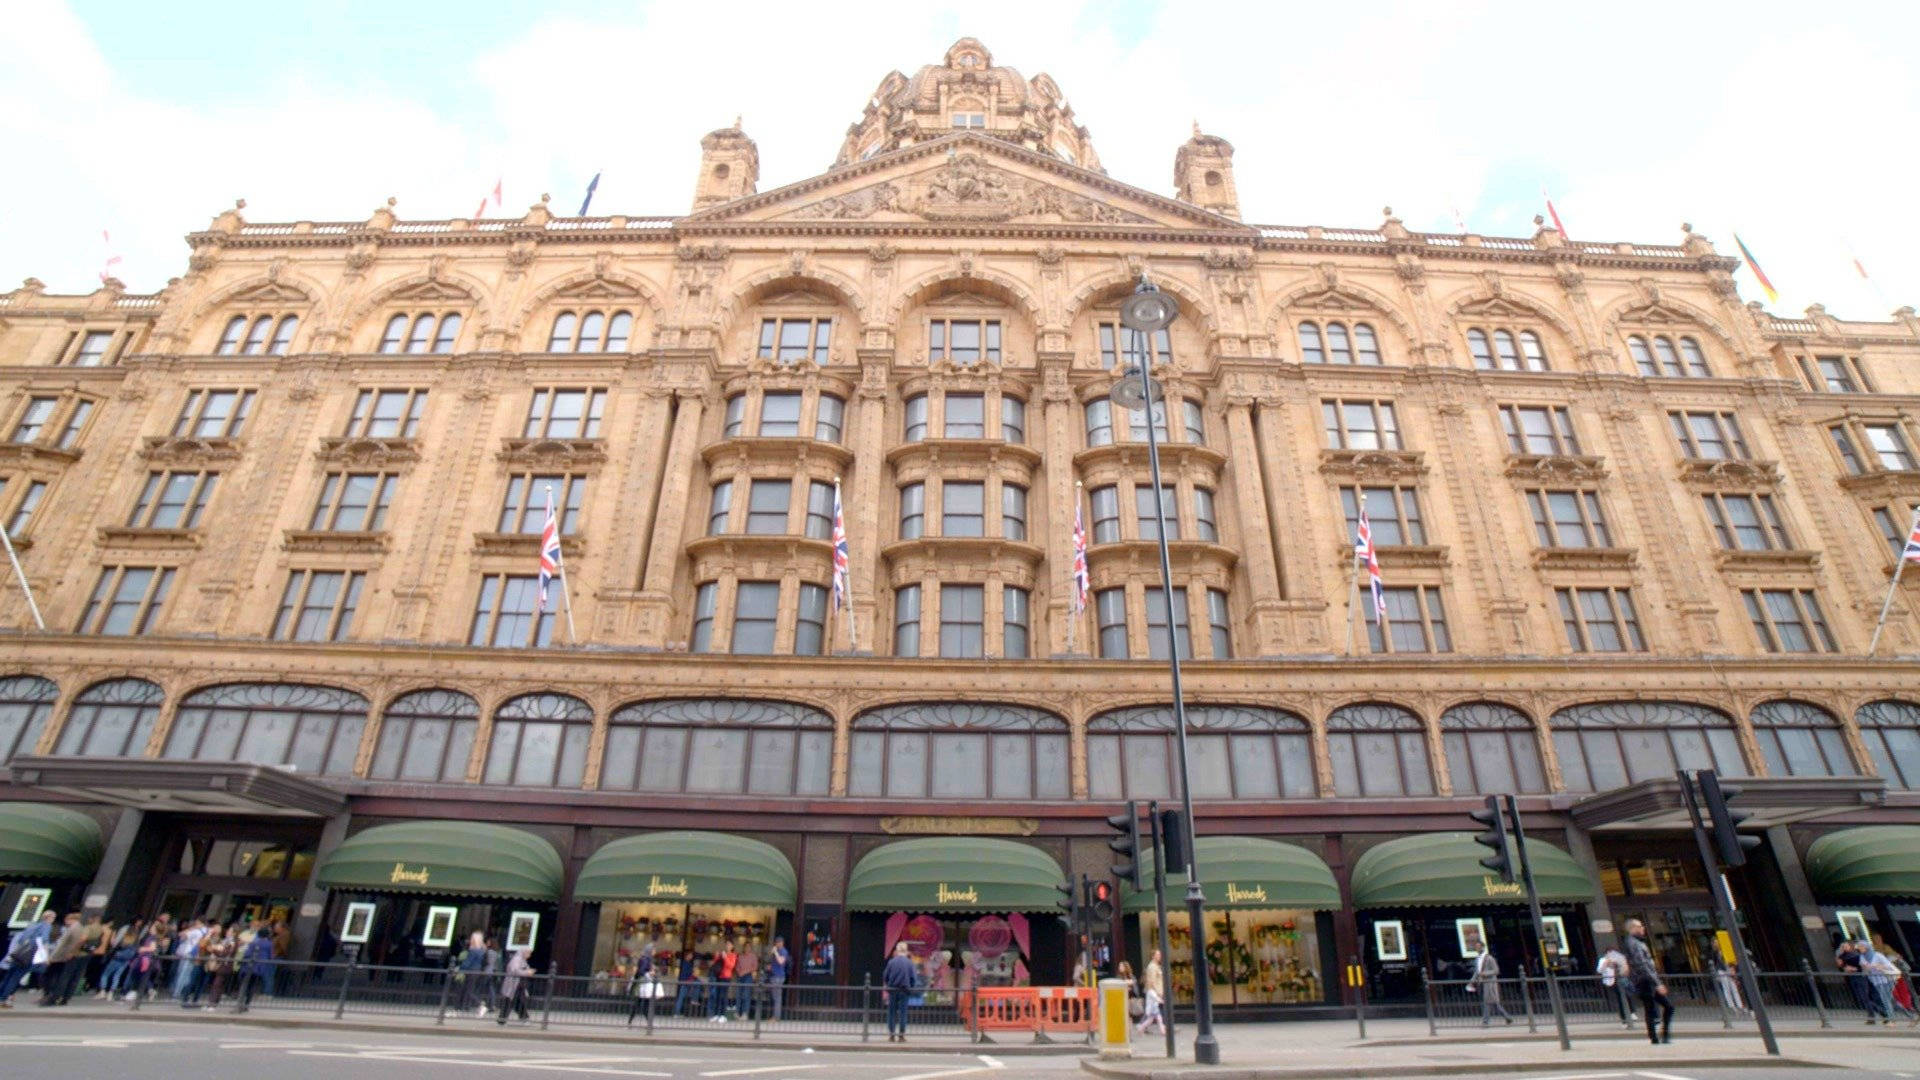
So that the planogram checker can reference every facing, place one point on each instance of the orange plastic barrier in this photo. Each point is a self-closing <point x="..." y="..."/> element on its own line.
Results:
<point x="1029" y="1008"/>
<point x="1067" y="1008"/>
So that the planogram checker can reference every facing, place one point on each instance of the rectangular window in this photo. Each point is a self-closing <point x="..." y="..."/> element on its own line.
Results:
<point x="830" y="417"/>
<point x="1017" y="634"/>
<point x="525" y="508"/>
<point x="1889" y="445"/>
<point x="34" y="419"/>
<point x="23" y="512"/>
<point x="1220" y="623"/>
<point x="1746" y="522"/>
<point x="1148" y="521"/>
<point x="1393" y="512"/>
<point x="1110" y="612"/>
<point x="906" y="621"/>
<point x="1416" y="622"/>
<point x="126" y="600"/>
<point x="1713" y="436"/>
<point x="1895" y="524"/>
<point x="1539" y="429"/>
<point x="1789" y="620"/>
<point x="1099" y="413"/>
<point x="93" y="348"/>
<point x="756" y="615"/>
<point x="1119" y="343"/>
<point x="172" y="500"/>
<point x="916" y="414"/>
<point x="966" y="416"/>
<point x="565" y="413"/>
<point x="719" y="507"/>
<point x="913" y="511"/>
<point x="1106" y="515"/>
<point x="507" y="614"/>
<point x="1157" y="624"/>
<point x="1137" y="423"/>
<point x="1568" y="519"/>
<point x="963" y="621"/>
<point x="1600" y="620"/>
<point x="964" y="341"/>
<point x="963" y="510"/>
<point x="820" y="510"/>
<point x="213" y="414"/>
<point x="790" y="340"/>
<point x="1013" y="512"/>
<point x="736" y="417"/>
<point x="1203" y="517"/>
<point x="1835" y="374"/>
<point x="387" y="414"/>
<point x="1195" y="420"/>
<point x="76" y="424"/>
<point x="767" y="502"/>
<point x="1843" y="442"/>
<point x="810" y="628"/>
<point x="780" y="415"/>
<point x="353" y="502"/>
<point x="705" y="603"/>
<point x="1013" y="419"/>
<point x="318" y="605"/>
<point x="1360" y="425"/>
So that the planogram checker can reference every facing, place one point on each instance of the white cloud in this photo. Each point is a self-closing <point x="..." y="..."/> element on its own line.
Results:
<point x="1639" y="116"/>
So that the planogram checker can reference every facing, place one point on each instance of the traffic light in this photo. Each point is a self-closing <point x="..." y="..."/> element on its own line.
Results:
<point x="1725" y="820"/>
<point x="1494" y="820"/>
<point x="1100" y="901"/>
<point x="1069" y="902"/>
<point x="1127" y="846"/>
<point x="1173" y="841"/>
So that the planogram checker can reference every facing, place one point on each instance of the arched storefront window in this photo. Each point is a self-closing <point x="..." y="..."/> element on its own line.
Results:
<point x="112" y="719"/>
<point x="314" y="729"/>
<point x="540" y="740"/>
<point x="1491" y="750"/>
<point x="1378" y="751"/>
<point x="1891" y="730"/>
<point x="25" y="702"/>
<point x="718" y="745"/>
<point x="1612" y="744"/>
<point x="1235" y="752"/>
<point x="954" y="750"/>
<point x="426" y="735"/>
<point x="1798" y="739"/>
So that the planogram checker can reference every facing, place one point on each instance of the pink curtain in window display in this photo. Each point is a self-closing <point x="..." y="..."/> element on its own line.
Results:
<point x="896" y="925"/>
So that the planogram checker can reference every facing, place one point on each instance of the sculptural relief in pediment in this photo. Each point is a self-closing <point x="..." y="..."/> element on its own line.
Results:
<point x="967" y="188"/>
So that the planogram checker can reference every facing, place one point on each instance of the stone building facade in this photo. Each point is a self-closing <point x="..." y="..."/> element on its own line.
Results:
<point x="321" y="458"/>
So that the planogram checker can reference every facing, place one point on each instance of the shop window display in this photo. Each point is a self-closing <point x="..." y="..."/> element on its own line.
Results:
<point x="960" y="951"/>
<point x="1258" y="956"/>
<point x="628" y="931"/>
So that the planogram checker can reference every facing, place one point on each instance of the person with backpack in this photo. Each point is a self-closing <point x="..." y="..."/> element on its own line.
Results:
<point x="256" y="963"/>
<point x="1613" y="973"/>
<point x="26" y="955"/>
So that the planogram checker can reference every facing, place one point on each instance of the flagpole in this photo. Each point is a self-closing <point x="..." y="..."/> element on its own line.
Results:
<point x="839" y="521"/>
<point x="1353" y="599"/>
<point x="1073" y="577"/>
<point x="27" y="589"/>
<point x="560" y="564"/>
<point x="1898" y="567"/>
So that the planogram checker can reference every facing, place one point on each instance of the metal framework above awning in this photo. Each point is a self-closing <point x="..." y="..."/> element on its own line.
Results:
<point x="195" y="787"/>
<point x="1656" y="804"/>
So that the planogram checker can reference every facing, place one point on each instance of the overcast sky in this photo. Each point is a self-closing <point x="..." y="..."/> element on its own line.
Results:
<point x="1794" y="124"/>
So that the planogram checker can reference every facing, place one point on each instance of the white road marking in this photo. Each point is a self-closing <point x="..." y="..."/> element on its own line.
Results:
<point x="1580" y="1076"/>
<point x="762" y="1069"/>
<point x="1661" y="1076"/>
<point x="991" y="1062"/>
<point x="938" y="1075"/>
<point x="426" y="1058"/>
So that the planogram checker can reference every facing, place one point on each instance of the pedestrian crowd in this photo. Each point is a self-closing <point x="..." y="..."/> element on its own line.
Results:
<point x="195" y="963"/>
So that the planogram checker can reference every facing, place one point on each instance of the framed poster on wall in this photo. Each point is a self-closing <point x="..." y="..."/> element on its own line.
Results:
<point x="31" y="903"/>
<point x="357" y="927"/>
<point x="816" y="952"/>
<point x="1473" y="936"/>
<point x="439" y="933"/>
<point x="1553" y="933"/>
<point x="522" y="929"/>
<point x="1390" y="940"/>
<point x="1853" y="924"/>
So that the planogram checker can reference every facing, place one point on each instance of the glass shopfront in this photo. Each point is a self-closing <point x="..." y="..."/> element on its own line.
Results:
<point x="627" y="931"/>
<point x="1257" y="956"/>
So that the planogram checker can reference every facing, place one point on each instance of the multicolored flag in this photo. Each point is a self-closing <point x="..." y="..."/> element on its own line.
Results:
<point x="592" y="186"/>
<point x="1766" y="286"/>
<point x="1555" y="215"/>
<point x="1081" y="582"/>
<point x="496" y="197"/>
<point x="113" y="260"/>
<point x="840" y="560"/>
<point x="549" y="551"/>
<point x="1363" y="548"/>
<point x="1912" y="551"/>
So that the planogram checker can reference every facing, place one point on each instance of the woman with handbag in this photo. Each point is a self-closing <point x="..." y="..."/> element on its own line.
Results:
<point x="513" y="988"/>
<point x="217" y="954"/>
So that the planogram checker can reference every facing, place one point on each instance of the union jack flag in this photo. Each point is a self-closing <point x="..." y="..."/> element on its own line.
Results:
<point x="1912" y="550"/>
<point x="1363" y="547"/>
<point x="549" y="551"/>
<point x="839" y="552"/>
<point x="1081" y="583"/>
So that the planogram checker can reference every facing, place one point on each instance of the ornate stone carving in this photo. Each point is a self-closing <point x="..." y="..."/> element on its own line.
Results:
<point x="882" y="253"/>
<point x="1051" y="255"/>
<point x="967" y="188"/>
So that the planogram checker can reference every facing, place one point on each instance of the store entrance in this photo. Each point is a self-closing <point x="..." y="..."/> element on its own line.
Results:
<point x="228" y="872"/>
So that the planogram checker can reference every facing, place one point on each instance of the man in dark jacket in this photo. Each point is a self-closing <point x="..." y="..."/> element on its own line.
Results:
<point x="256" y="964"/>
<point x="1647" y="984"/>
<point x="899" y="978"/>
<point x="64" y="963"/>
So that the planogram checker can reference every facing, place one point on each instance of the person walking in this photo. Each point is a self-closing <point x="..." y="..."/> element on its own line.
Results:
<point x="898" y="979"/>
<point x="1903" y="985"/>
<point x="1486" y="982"/>
<point x="64" y="963"/>
<point x="26" y="955"/>
<point x="1613" y="973"/>
<point x="1153" y="1015"/>
<point x="1726" y="979"/>
<point x="256" y="961"/>
<point x="778" y="961"/>
<point x="1648" y="986"/>
<point x="1881" y="973"/>
<point x="513" y="988"/>
<point x="644" y="986"/>
<point x="745" y="974"/>
<point x="1851" y="959"/>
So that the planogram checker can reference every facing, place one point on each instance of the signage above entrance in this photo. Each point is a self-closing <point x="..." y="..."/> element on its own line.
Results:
<point x="403" y="876"/>
<point x="947" y="894"/>
<point x="959" y="826"/>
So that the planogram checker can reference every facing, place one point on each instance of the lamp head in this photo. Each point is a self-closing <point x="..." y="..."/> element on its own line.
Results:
<point x="1148" y="310"/>
<point x="1129" y="391"/>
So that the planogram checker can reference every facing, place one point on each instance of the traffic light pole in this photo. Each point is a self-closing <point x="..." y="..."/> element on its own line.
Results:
<point x="1723" y="902"/>
<point x="1160" y="911"/>
<point x="1539" y="924"/>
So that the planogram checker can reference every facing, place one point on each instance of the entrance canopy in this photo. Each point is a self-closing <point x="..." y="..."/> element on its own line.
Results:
<point x="1767" y="800"/>
<point x="951" y="873"/>
<point x="1868" y="862"/>
<point x="689" y="867"/>
<point x="187" y="787"/>
<point x="1444" y="869"/>
<point x="453" y="858"/>
<point x="1248" y="872"/>
<point x="38" y="840"/>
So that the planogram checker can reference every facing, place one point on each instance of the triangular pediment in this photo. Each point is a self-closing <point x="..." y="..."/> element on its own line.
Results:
<point x="966" y="178"/>
<point x="1496" y="307"/>
<point x="1656" y="314"/>
<point x="1332" y="300"/>
<point x="599" y="289"/>
<point x="431" y="290"/>
<point x="271" y="292"/>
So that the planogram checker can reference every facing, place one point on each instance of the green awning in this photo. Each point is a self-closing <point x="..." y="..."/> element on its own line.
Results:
<point x="1869" y="861"/>
<point x="955" y="873"/>
<point x="689" y="867"/>
<point x="39" y="840"/>
<point x="1248" y="872"/>
<point x="1444" y="868"/>
<point x="451" y="858"/>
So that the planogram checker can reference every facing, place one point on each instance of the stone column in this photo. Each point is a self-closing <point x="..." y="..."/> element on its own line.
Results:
<point x="1249" y="494"/>
<point x="313" y="901"/>
<point x="113" y="864"/>
<point x="1806" y="909"/>
<point x="669" y="523"/>
<point x="1599" y="909"/>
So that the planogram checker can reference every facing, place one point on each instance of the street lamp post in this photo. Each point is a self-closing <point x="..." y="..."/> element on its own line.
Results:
<point x="1145" y="313"/>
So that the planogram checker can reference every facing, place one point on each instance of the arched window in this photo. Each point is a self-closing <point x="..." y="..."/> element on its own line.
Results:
<point x="1510" y="350"/>
<point x="1491" y="750"/>
<point x="424" y="332"/>
<point x="619" y="331"/>
<point x="391" y="336"/>
<point x="1339" y="349"/>
<point x="1536" y="357"/>
<point x="1615" y="743"/>
<point x="1798" y="739"/>
<point x="1378" y="750"/>
<point x="1477" y="344"/>
<point x="257" y="336"/>
<point x="25" y="702"/>
<point x="1891" y="730"/>
<point x="313" y="729"/>
<point x="950" y="750"/>
<point x="1366" y="345"/>
<point x="540" y="740"/>
<point x="566" y="327"/>
<point x="1504" y="353"/>
<point x="1642" y="357"/>
<point x="1311" y="351"/>
<point x="449" y="330"/>
<point x="1234" y="751"/>
<point x="283" y="335"/>
<point x="426" y="735"/>
<point x="719" y="745"/>
<point x="1696" y="360"/>
<point x="1663" y="352"/>
<point x="230" y="337"/>
<point x="112" y="719"/>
